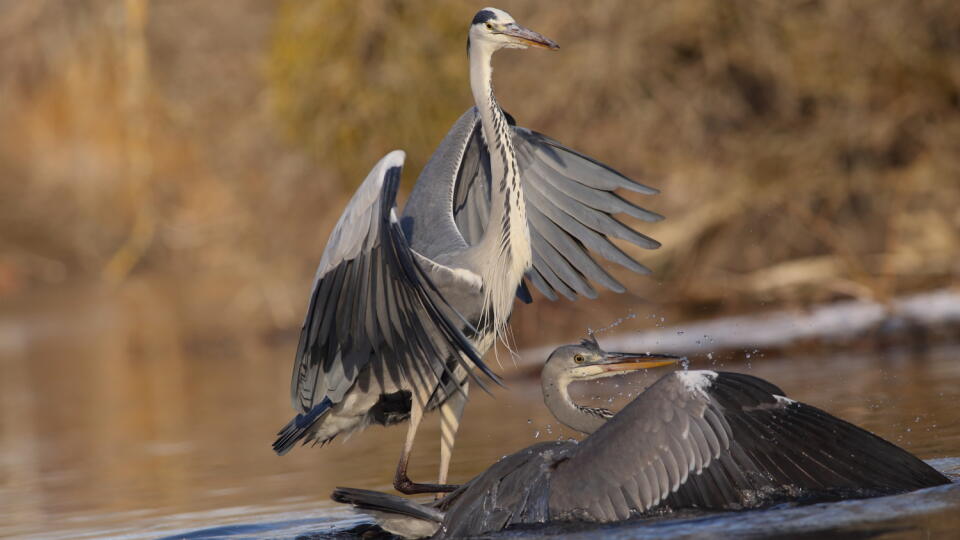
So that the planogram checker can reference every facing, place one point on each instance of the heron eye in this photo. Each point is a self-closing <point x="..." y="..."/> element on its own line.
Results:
<point x="578" y="358"/>
<point x="489" y="26"/>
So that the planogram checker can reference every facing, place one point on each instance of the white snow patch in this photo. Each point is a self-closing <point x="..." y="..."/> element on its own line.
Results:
<point x="830" y="322"/>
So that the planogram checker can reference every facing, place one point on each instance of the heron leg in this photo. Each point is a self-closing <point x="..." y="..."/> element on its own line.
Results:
<point x="450" y="413"/>
<point x="401" y="482"/>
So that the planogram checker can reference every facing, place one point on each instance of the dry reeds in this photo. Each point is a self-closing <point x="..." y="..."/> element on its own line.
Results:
<point x="806" y="149"/>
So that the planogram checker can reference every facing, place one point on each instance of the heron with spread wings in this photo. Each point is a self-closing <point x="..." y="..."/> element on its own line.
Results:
<point x="404" y="307"/>
<point x="704" y="440"/>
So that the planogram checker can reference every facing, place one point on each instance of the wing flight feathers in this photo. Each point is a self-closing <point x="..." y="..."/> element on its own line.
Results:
<point x="571" y="206"/>
<point x="374" y="301"/>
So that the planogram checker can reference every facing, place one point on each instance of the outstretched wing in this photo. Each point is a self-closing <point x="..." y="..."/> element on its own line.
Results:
<point x="374" y="304"/>
<point x="571" y="207"/>
<point x="724" y="441"/>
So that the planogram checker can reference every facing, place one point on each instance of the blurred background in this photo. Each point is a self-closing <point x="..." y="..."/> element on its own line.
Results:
<point x="170" y="171"/>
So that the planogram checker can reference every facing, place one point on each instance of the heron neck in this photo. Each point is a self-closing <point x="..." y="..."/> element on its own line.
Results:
<point x="556" y="397"/>
<point x="503" y="252"/>
<point x="496" y="130"/>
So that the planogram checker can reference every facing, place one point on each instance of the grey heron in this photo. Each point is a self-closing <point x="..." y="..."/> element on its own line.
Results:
<point x="403" y="308"/>
<point x="692" y="440"/>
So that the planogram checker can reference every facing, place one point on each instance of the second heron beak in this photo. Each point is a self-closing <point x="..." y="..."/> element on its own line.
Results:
<point x="525" y="36"/>
<point x="619" y="361"/>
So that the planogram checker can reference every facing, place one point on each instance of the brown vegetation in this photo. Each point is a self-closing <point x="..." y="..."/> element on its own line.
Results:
<point x="806" y="149"/>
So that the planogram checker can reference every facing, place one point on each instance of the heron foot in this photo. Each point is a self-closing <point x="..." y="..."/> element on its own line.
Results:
<point x="407" y="487"/>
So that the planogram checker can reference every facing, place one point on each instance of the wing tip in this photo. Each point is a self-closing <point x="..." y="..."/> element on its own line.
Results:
<point x="617" y="287"/>
<point x="365" y="499"/>
<point x="394" y="159"/>
<point x="641" y="269"/>
<point x="650" y="216"/>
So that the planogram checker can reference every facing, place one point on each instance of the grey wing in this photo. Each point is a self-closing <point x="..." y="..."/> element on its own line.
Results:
<point x="724" y="441"/>
<point x="512" y="491"/>
<point x="373" y="301"/>
<point x="571" y="207"/>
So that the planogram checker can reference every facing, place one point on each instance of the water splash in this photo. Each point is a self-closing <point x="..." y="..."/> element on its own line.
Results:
<point x="612" y="325"/>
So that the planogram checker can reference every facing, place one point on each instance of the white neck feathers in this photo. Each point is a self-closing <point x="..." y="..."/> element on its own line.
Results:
<point x="503" y="253"/>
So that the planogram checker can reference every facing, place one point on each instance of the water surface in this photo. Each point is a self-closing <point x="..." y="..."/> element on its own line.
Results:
<point x="112" y="426"/>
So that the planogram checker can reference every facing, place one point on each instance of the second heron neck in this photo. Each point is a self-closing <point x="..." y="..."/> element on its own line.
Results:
<point x="556" y="397"/>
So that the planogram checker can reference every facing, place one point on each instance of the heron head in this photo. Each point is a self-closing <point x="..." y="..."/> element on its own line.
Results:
<point x="587" y="361"/>
<point x="496" y="29"/>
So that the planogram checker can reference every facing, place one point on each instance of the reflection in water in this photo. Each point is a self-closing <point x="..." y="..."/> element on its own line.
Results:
<point x="111" y="423"/>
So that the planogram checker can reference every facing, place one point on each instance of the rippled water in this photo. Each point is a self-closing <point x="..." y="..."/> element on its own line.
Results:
<point x="114" y="428"/>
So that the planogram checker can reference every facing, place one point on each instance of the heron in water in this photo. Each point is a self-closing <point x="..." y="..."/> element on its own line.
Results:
<point x="692" y="440"/>
<point x="404" y="307"/>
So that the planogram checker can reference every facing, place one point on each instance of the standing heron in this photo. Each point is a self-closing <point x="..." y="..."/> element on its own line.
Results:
<point x="692" y="440"/>
<point x="403" y="309"/>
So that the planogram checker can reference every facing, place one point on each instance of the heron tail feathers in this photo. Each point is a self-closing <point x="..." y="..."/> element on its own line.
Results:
<point x="299" y="427"/>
